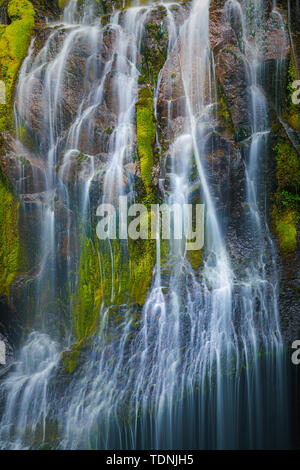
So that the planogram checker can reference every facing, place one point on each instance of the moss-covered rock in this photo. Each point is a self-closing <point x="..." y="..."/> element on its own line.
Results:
<point x="14" y="42"/>
<point x="286" y="207"/>
<point x="88" y="297"/>
<point x="142" y="260"/>
<point x="291" y="113"/>
<point x="145" y="125"/>
<point x="9" y="236"/>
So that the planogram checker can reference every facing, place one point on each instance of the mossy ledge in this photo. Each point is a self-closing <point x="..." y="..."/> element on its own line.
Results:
<point x="285" y="212"/>
<point x="9" y="236"/>
<point x="89" y="294"/>
<point x="14" y="42"/>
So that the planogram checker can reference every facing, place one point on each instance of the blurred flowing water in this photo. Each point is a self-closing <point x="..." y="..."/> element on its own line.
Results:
<point x="205" y="368"/>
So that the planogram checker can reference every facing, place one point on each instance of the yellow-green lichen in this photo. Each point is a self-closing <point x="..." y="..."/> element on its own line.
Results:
<point x="146" y="129"/>
<point x="9" y="236"/>
<point x="285" y="225"/>
<point x="14" y="42"/>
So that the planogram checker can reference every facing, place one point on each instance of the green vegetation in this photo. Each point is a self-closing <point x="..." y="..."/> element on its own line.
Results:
<point x="195" y="257"/>
<point x="71" y="356"/>
<point x="285" y="210"/>
<point x="126" y="271"/>
<point x="223" y="111"/>
<point x="88" y="297"/>
<point x="142" y="259"/>
<point x="155" y="50"/>
<point x="62" y="3"/>
<point x="145" y="125"/>
<point x="14" y="42"/>
<point x="286" y="230"/>
<point x="9" y="236"/>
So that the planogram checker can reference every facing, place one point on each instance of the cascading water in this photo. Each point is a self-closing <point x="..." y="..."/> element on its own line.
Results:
<point x="200" y="369"/>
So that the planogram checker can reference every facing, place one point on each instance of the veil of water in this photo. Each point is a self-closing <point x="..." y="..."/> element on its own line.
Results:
<point x="204" y="368"/>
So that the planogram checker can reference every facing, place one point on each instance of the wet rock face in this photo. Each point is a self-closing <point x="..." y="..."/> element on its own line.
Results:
<point x="289" y="303"/>
<point x="225" y="31"/>
<point x="224" y="163"/>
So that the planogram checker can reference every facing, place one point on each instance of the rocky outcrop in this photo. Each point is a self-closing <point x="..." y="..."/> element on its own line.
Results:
<point x="277" y="41"/>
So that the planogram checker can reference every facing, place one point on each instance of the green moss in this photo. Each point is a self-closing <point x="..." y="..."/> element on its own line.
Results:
<point x="154" y="51"/>
<point x="294" y="121"/>
<point x="291" y="113"/>
<point x="111" y="274"/>
<point x="285" y="210"/>
<point x="145" y="124"/>
<point x="14" y="42"/>
<point x="114" y="272"/>
<point x="195" y="258"/>
<point x="126" y="271"/>
<point x="62" y="3"/>
<point x="88" y="297"/>
<point x="22" y="160"/>
<point x="223" y="111"/>
<point x="142" y="260"/>
<point x="27" y="138"/>
<point x="9" y="236"/>
<point x="289" y="199"/>
<point x="285" y="226"/>
<point x="292" y="76"/>
<point x="288" y="166"/>
<point x="71" y="356"/>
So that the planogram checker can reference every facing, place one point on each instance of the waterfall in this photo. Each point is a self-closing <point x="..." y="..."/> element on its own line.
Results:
<point x="200" y="366"/>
